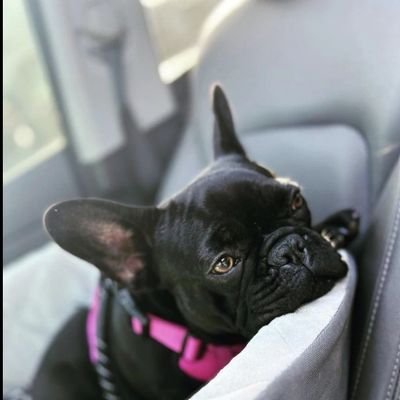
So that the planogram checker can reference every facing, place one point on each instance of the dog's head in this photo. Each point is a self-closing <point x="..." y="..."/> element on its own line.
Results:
<point x="235" y="248"/>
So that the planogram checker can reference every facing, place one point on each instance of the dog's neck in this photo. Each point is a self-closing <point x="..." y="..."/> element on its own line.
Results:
<point x="162" y="304"/>
<point x="128" y="351"/>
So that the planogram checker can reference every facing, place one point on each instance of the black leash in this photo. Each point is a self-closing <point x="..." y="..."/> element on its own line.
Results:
<point x="103" y="366"/>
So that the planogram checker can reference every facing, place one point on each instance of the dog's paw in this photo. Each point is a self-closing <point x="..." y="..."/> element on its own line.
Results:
<point x="341" y="228"/>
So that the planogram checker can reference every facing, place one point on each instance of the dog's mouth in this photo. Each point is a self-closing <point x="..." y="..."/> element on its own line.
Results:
<point x="296" y="266"/>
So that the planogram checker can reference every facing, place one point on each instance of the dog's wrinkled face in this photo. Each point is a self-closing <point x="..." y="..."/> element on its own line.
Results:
<point x="256" y="254"/>
<point x="235" y="248"/>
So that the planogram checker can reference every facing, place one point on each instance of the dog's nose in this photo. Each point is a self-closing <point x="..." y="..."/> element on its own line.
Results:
<point x="289" y="250"/>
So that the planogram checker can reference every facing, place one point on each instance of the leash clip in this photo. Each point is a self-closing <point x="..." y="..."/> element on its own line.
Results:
<point x="126" y="300"/>
<point x="139" y="319"/>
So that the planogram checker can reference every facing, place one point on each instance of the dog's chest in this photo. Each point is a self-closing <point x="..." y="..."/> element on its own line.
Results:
<point x="142" y="365"/>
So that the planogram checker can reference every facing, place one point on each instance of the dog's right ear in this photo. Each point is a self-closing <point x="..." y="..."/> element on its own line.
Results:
<point x="114" y="237"/>
<point x="226" y="141"/>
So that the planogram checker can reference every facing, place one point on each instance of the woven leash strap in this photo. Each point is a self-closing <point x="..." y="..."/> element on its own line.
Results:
<point x="102" y="365"/>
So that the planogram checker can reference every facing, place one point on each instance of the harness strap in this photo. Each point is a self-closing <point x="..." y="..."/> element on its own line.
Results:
<point x="199" y="360"/>
<point x="173" y="336"/>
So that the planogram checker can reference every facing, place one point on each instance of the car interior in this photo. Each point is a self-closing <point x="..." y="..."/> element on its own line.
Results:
<point x="314" y="86"/>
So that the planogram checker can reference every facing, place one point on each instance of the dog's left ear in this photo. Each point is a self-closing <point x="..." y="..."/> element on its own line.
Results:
<point x="226" y="141"/>
<point x="114" y="237"/>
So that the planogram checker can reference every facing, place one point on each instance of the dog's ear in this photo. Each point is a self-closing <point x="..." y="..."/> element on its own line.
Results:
<point x="225" y="138"/>
<point x="114" y="237"/>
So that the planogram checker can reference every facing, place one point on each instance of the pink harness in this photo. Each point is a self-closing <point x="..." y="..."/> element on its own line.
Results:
<point x="197" y="359"/>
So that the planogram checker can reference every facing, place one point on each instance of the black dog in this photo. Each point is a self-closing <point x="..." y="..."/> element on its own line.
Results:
<point x="232" y="251"/>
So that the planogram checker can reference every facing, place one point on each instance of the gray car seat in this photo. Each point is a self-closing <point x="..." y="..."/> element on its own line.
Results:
<point x="315" y="89"/>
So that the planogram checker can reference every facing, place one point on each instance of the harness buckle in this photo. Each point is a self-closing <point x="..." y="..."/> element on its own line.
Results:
<point x="192" y="348"/>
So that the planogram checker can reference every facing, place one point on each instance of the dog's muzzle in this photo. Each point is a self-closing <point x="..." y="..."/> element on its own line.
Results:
<point x="303" y="248"/>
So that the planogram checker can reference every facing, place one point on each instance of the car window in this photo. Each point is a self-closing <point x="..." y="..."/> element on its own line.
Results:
<point x="175" y="26"/>
<point x="31" y="127"/>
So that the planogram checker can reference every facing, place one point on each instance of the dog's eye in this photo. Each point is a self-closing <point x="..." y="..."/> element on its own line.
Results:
<point x="297" y="202"/>
<point x="224" y="264"/>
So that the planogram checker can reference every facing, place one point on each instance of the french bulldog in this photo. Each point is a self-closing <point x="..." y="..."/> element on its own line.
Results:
<point x="222" y="258"/>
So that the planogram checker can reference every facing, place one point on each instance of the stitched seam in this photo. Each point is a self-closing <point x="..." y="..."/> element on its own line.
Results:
<point x="396" y="394"/>
<point x="387" y="259"/>
<point x="394" y="374"/>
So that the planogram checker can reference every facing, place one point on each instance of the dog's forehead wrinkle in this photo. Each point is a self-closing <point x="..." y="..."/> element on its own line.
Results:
<point x="223" y="172"/>
<point x="241" y="207"/>
<point x="173" y="232"/>
<point x="243" y="199"/>
<point x="233" y="190"/>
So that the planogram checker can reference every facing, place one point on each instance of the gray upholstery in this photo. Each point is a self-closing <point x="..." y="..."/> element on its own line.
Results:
<point x="307" y="62"/>
<point x="304" y="63"/>
<point x="375" y="373"/>
<point x="41" y="291"/>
